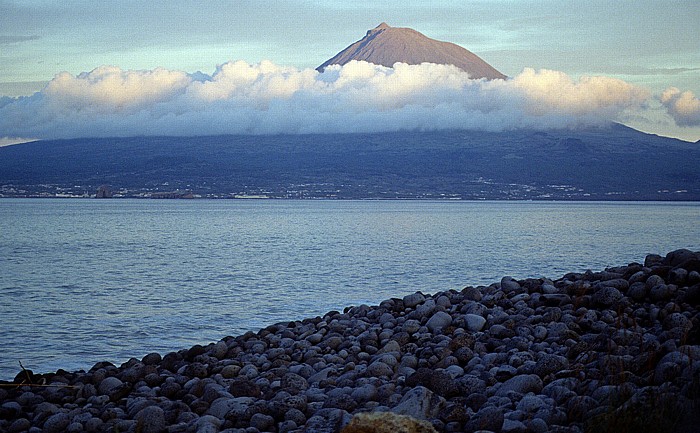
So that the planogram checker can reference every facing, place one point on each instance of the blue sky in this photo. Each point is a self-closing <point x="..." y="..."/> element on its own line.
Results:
<point x="653" y="44"/>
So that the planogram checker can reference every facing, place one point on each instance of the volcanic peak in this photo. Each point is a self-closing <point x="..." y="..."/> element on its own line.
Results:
<point x="385" y="45"/>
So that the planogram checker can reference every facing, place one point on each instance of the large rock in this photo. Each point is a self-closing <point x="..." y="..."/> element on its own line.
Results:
<point x="522" y="384"/>
<point x="57" y="423"/>
<point x="439" y="321"/>
<point x="475" y="323"/>
<point x="438" y="381"/>
<point x="488" y="418"/>
<point x="413" y="299"/>
<point x="108" y="385"/>
<point x="421" y="403"/>
<point x="550" y="363"/>
<point x="387" y="422"/>
<point x="150" y="419"/>
<point x="607" y="296"/>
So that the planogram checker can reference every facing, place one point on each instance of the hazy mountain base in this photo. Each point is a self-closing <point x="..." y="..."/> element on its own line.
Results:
<point x="616" y="163"/>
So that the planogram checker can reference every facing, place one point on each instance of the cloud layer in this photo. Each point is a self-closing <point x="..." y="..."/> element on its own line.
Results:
<point x="264" y="98"/>
<point x="684" y="107"/>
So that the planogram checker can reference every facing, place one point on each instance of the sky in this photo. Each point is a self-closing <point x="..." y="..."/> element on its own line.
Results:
<point x="77" y="67"/>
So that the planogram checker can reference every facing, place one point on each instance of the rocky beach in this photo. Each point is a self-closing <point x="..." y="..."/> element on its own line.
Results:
<point x="612" y="350"/>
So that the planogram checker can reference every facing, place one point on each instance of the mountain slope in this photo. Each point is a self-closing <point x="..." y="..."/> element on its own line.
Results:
<point x="386" y="45"/>
<point x="616" y="163"/>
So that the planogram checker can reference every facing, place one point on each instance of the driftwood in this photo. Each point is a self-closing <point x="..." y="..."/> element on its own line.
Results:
<point x="28" y="382"/>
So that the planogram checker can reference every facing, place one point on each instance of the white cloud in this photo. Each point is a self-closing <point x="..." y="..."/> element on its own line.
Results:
<point x="684" y="107"/>
<point x="242" y="98"/>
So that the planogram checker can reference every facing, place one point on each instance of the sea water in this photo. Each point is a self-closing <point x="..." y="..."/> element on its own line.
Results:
<point x="83" y="281"/>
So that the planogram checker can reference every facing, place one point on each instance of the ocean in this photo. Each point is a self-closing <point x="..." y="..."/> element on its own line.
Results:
<point x="83" y="281"/>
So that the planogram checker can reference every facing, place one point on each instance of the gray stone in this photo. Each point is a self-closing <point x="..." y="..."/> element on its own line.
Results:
<point x="108" y="384"/>
<point x="508" y="284"/>
<point x="426" y="308"/>
<point x="57" y="423"/>
<point x="390" y="346"/>
<point x="262" y="422"/>
<point x="221" y="406"/>
<point x="208" y="424"/>
<point x="295" y="415"/>
<point x="472" y="294"/>
<point x="93" y="425"/>
<point x="439" y="321"/>
<point x="414" y="299"/>
<point x="678" y="321"/>
<point x="74" y="427"/>
<point x="364" y="393"/>
<point x="470" y="384"/>
<point x="660" y="293"/>
<point x="607" y="296"/>
<point x="294" y="383"/>
<point x="150" y="419"/>
<point x="549" y="289"/>
<point x="652" y="260"/>
<point x="678" y="257"/>
<point x="487" y="418"/>
<point x="678" y="276"/>
<point x="549" y="363"/>
<point x="637" y="291"/>
<point x="379" y="369"/>
<point x="411" y="326"/>
<point x="538" y="425"/>
<point x="475" y="323"/>
<point x="522" y="384"/>
<point x="420" y="403"/>
<point x="513" y="426"/>
<point x="530" y="403"/>
<point x="653" y="281"/>
<point x="556" y="299"/>
<point x="19" y="425"/>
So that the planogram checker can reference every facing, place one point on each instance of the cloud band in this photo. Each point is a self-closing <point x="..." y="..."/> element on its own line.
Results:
<point x="264" y="98"/>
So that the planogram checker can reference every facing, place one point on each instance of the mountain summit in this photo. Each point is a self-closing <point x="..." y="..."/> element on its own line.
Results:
<point x="386" y="45"/>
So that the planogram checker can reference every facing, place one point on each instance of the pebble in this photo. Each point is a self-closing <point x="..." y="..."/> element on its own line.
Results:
<point x="475" y="322"/>
<point x="532" y="355"/>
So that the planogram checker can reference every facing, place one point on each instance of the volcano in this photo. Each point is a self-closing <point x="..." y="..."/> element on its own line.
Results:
<point x="386" y="45"/>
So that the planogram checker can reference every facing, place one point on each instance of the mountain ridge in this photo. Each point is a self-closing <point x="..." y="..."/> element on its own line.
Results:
<point x="613" y="163"/>
<point x="385" y="45"/>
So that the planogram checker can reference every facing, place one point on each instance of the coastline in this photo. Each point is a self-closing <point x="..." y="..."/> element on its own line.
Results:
<point x="585" y="352"/>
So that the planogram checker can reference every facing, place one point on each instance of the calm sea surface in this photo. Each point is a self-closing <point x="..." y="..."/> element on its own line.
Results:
<point x="83" y="281"/>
